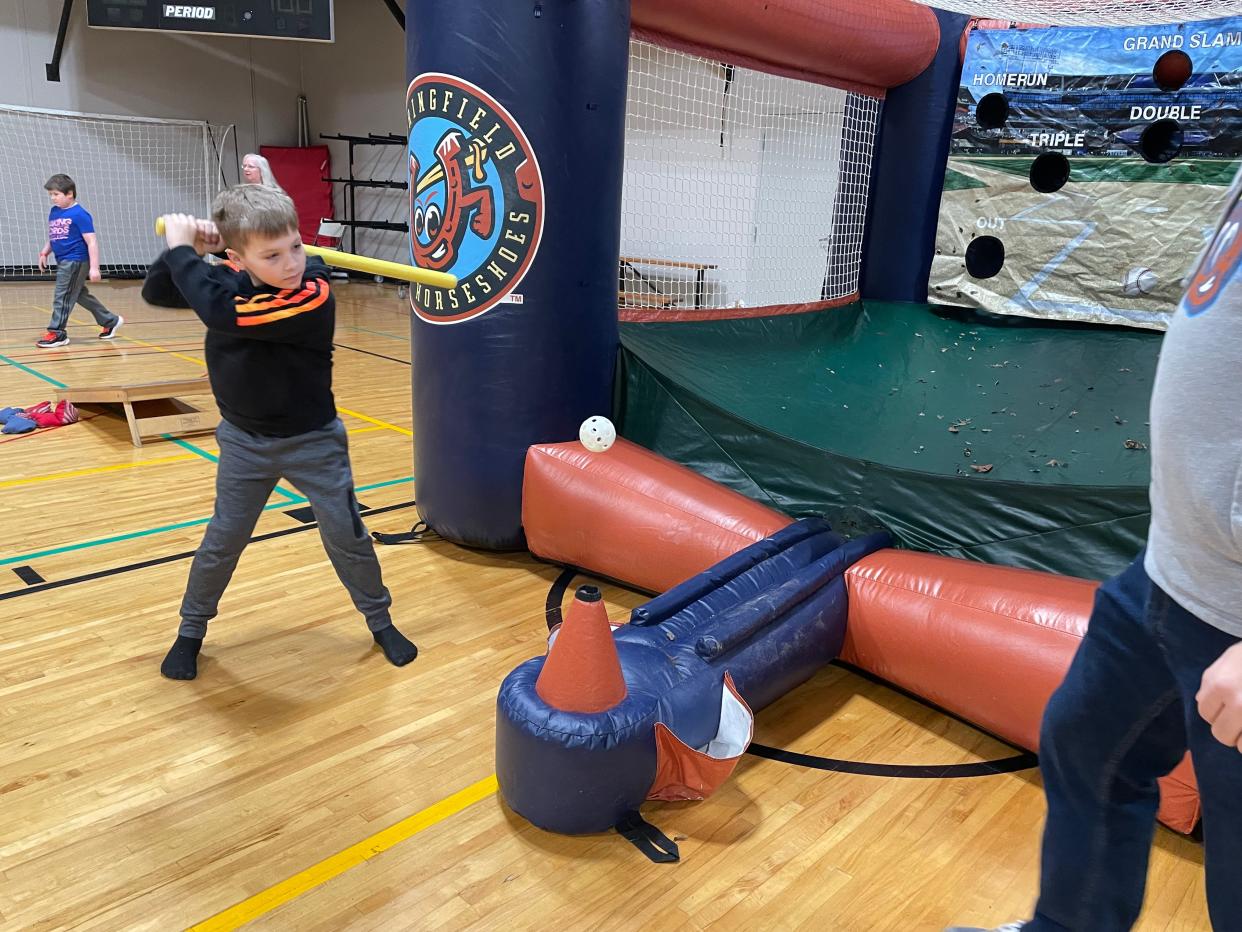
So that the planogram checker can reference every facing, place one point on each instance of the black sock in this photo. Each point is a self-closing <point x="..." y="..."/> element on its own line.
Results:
<point x="182" y="660"/>
<point x="399" y="649"/>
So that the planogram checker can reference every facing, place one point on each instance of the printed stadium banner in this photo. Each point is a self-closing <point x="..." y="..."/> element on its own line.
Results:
<point x="1080" y="186"/>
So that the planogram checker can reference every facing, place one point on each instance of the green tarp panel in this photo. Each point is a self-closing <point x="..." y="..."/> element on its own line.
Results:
<point x="1008" y="441"/>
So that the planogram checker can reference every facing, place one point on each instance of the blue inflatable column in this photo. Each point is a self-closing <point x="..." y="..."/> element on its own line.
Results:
<point x="516" y="115"/>
<point x="907" y="174"/>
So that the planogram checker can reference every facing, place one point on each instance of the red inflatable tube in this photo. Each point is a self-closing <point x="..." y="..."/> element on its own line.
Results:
<point x="988" y="643"/>
<point x="632" y="515"/>
<point x="860" y="45"/>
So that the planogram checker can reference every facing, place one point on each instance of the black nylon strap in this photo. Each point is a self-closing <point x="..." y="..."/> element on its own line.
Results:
<point x="648" y="839"/>
<point x="418" y="534"/>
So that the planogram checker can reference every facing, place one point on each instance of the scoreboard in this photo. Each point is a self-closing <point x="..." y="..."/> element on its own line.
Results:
<point x="309" y="20"/>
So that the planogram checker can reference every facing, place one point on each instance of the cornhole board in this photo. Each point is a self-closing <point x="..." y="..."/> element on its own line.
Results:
<point x="151" y="408"/>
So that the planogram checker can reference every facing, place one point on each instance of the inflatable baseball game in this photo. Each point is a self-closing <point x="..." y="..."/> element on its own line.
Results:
<point x="872" y="294"/>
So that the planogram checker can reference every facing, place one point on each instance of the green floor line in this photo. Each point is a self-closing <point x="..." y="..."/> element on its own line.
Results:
<point x="185" y="444"/>
<point x="380" y="333"/>
<point x="382" y="485"/>
<point x="180" y="525"/>
<point x="36" y="374"/>
<point x="85" y="545"/>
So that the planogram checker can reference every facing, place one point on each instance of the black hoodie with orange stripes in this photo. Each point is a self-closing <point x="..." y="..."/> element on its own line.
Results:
<point x="269" y="352"/>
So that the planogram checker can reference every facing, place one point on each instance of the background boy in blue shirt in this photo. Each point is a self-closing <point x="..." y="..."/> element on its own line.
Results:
<point x="71" y="236"/>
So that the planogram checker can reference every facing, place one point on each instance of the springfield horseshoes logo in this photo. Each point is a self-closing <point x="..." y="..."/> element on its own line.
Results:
<point x="1218" y="265"/>
<point x="476" y="198"/>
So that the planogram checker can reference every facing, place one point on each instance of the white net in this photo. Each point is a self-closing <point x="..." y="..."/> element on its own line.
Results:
<point x="1093" y="12"/>
<point x="742" y="189"/>
<point x="128" y="171"/>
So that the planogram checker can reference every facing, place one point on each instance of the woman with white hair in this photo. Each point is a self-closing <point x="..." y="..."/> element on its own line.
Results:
<point x="257" y="170"/>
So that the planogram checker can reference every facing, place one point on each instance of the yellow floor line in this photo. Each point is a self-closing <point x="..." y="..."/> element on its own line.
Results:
<point x="156" y="461"/>
<point x="373" y="420"/>
<point x="318" y="874"/>
<point x="156" y="346"/>
<point x="77" y="319"/>
<point x="94" y="470"/>
<point x="199" y="362"/>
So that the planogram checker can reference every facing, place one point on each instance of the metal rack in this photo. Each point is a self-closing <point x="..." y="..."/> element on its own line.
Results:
<point x="352" y="184"/>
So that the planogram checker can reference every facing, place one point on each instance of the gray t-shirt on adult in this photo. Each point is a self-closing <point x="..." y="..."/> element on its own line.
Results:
<point x="1194" y="550"/>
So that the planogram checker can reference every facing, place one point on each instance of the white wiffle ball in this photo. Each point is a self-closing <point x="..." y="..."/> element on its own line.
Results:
<point x="1139" y="280"/>
<point x="597" y="434"/>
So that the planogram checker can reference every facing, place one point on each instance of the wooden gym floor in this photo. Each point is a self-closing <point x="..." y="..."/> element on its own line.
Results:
<point x="261" y="791"/>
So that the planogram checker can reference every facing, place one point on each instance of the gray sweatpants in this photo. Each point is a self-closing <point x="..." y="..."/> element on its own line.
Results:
<point x="71" y="278"/>
<point x="317" y="464"/>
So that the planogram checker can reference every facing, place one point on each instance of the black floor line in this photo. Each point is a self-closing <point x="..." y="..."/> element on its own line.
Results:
<point x="306" y="514"/>
<point x="29" y="575"/>
<point x="404" y="362"/>
<point x="171" y="558"/>
<point x="1024" y="761"/>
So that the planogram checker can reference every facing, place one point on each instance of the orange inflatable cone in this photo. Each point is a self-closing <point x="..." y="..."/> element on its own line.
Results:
<point x="582" y="672"/>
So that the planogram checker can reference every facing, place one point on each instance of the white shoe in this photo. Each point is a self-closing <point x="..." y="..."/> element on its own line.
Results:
<point x="109" y="332"/>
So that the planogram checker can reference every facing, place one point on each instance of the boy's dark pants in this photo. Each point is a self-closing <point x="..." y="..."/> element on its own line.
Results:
<point x="317" y="464"/>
